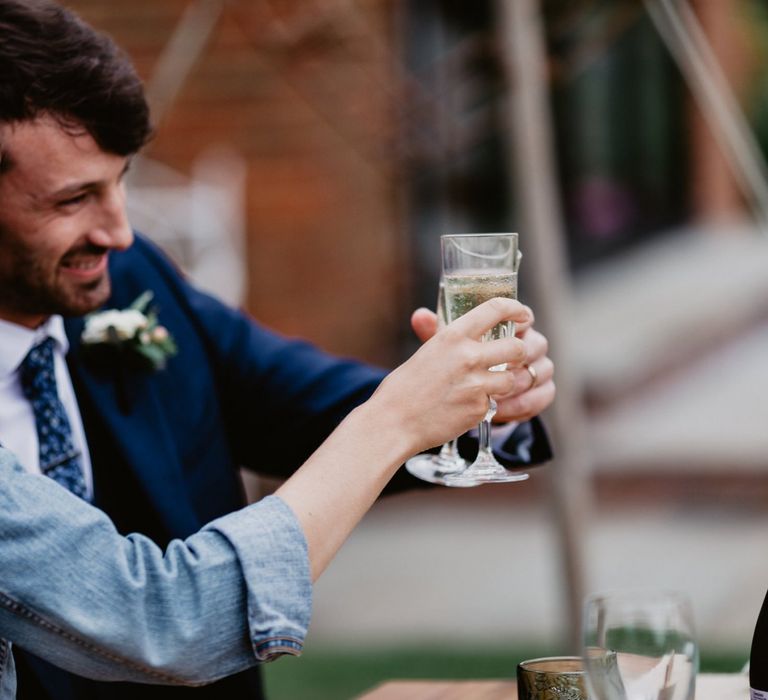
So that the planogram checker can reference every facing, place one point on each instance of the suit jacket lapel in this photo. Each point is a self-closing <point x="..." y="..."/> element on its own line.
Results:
<point x="129" y="408"/>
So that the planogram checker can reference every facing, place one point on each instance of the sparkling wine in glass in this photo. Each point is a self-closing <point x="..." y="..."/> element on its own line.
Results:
<point x="639" y="646"/>
<point x="431" y="467"/>
<point x="478" y="267"/>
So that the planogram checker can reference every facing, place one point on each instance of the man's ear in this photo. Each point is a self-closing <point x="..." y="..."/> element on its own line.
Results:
<point x="5" y="157"/>
<point x="6" y="161"/>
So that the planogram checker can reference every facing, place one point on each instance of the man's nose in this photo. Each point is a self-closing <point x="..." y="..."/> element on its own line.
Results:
<point x="114" y="230"/>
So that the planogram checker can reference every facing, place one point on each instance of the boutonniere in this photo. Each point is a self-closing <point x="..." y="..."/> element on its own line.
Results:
<point x="133" y="333"/>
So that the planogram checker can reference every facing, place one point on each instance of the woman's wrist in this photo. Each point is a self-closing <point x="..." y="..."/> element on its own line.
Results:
<point x="386" y="432"/>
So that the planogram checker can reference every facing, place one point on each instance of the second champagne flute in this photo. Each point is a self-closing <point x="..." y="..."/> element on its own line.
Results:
<point x="436" y="467"/>
<point x="478" y="267"/>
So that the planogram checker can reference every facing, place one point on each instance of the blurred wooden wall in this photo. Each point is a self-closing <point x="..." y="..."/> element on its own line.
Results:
<point x="304" y="91"/>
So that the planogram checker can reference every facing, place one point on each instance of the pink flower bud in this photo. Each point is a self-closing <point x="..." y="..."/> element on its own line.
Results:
<point x="159" y="334"/>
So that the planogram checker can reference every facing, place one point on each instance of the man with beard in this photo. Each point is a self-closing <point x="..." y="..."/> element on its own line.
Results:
<point x="158" y="449"/>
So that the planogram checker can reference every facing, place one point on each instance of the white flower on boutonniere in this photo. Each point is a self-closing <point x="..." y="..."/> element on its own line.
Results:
<point x="134" y="332"/>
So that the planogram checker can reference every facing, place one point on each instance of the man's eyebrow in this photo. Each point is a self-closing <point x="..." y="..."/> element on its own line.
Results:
<point x="71" y="189"/>
<point x="79" y="186"/>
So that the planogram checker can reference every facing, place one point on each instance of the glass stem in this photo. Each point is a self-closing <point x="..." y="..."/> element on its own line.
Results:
<point x="484" y="432"/>
<point x="450" y="450"/>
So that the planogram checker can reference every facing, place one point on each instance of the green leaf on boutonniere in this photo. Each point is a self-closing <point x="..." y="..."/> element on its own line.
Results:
<point x="132" y="334"/>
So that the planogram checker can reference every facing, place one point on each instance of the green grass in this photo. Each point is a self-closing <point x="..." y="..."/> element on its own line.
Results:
<point x="339" y="674"/>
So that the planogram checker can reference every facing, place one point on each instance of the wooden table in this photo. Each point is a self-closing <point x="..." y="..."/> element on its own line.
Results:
<point x="443" y="690"/>
<point x="709" y="686"/>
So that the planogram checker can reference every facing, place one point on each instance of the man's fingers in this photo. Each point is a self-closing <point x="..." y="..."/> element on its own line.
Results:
<point x="536" y="344"/>
<point x="424" y="324"/>
<point x="482" y="318"/>
<point x="542" y="369"/>
<point x="526" y="405"/>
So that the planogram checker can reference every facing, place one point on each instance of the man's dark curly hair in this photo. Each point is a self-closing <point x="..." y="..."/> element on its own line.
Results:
<point x="54" y="64"/>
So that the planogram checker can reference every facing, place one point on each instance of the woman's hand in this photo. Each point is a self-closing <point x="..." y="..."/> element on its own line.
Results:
<point x="440" y="392"/>
<point x="528" y="397"/>
<point x="443" y="389"/>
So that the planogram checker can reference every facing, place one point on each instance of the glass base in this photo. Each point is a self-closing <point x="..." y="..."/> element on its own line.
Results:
<point x="475" y="475"/>
<point x="438" y="470"/>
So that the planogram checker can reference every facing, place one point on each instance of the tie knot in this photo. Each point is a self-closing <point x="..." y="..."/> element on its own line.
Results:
<point x="36" y="370"/>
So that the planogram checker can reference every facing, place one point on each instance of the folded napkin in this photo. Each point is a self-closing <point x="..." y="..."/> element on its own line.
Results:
<point x="722" y="686"/>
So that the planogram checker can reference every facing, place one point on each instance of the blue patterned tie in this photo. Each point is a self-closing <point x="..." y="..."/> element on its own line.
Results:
<point x="58" y="457"/>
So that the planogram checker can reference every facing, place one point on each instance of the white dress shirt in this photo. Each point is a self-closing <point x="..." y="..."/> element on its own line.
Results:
<point x="17" y="420"/>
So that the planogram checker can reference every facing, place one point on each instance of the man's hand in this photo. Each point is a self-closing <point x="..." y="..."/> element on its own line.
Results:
<point x="529" y="397"/>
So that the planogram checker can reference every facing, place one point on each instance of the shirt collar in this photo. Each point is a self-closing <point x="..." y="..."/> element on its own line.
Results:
<point x="16" y="341"/>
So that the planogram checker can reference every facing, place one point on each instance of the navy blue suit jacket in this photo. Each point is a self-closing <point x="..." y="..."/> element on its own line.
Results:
<point x="167" y="445"/>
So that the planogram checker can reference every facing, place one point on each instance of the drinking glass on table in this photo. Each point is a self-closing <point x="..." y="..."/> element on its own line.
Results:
<point x="431" y="467"/>
<point x="478" y="267"/>
<point x="551" y="678"/>
<point x="639" y="646"/>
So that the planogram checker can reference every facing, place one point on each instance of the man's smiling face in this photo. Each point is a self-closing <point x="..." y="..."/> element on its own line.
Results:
<point x="62" y="210"/>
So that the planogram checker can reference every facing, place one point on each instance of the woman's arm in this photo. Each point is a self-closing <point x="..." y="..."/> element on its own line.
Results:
<point x="79" y="594"/>
<point x="440" y="392"/>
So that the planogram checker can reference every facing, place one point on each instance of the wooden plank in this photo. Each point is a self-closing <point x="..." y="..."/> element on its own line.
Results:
<point x="443" y="690"/>
<point x="719" y="686"/>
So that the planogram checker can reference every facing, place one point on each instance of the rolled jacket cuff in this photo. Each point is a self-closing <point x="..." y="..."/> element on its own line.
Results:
<point x="273" y="554"/>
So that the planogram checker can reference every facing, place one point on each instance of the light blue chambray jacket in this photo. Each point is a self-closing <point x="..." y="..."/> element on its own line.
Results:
<point x="77" y="593"/>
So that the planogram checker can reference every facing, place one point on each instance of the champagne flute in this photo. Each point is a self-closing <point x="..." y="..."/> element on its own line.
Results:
<point x="431" y="467"/>
<point x="478" y="267"/>
<point x="639" y="646"/>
